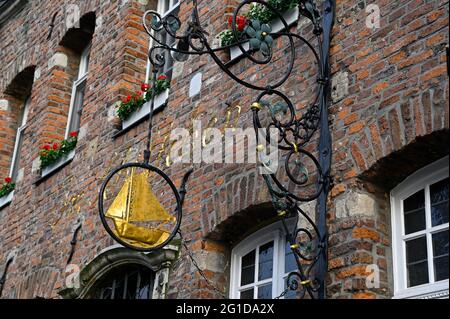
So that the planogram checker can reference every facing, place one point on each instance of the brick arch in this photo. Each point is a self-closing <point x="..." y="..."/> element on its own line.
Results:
<point x="235" y="198"/>
<point x="77" y="38"/>
<point x="400" y="126"/>
<point x="12" y="100"/>
<point x="20" y="87"/>
<point x="394" y="168"/>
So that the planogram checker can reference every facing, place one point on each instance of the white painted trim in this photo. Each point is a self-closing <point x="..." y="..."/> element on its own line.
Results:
<point x="5" y="200"/>
<point x="82" y="76"/>
<point x="20" y="129"/>
<point x="422" y="179"/>
<point x="160" y="101"/>
<point x="84" y="62"/>
<point x="275" y="233"/>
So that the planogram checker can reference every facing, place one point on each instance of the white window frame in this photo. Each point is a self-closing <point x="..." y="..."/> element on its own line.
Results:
<point x="275" y="233"/>
<point x="163" y="11"/>
<point x="83" y="71"/>
<point x="422" y="179"/>
<point x="19" y="135"/>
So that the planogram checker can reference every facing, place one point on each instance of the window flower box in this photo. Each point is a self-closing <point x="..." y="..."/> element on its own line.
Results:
<point x="291" y="16"/>
<point x="5" y="200"/>
<point x="160" y="101"/>
<point x="58" y="164"/>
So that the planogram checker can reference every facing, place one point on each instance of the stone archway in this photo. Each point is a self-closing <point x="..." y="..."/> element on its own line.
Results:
<point x="116" y="256"/>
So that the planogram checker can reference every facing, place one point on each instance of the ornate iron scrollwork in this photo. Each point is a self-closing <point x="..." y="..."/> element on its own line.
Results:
<point x="309" y="244"/>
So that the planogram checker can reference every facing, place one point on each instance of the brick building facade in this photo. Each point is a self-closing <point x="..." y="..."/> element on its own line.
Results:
<point x="389" y="121"/>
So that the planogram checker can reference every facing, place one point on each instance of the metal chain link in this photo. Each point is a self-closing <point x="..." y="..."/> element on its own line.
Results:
<point x="199" y="270"/>
<point x="284" y="293"/>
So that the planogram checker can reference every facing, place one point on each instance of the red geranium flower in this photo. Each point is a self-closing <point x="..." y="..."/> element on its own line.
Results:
<point x="162" y="77"/>
<point x="73" y="134"/>
<point x="127" y="99"/>
<point x="145" y="87"/>
<point x="55" y="146"/>
<point x="241" y="22"/>
<point x="47" y="147"/>
<point x="8" y="180"/>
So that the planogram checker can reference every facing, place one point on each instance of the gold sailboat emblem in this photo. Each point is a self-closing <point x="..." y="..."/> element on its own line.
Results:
<point x="136" y="203"/>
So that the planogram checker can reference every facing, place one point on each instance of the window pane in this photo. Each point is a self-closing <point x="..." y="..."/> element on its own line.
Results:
<point x="440" y="253"/>
<point x="166" y="5"/>
<point x="439" y="203"/>
<point x="77" y="107"/>
<point x="265" y="292"/>
<point x="118" y="288"/>
<point x="132" y="279"/>
<point x="248" y="268"/>
<point x="418" y="274"/>
<point x="247" y="294"/>
<point x="416" y="259"/>
<point x="129" y="282"/>
<point x="265" y="261"/>
<point x="145" y="285"/>
<point x="414" y="210"/>
<point x="290" y="264"/>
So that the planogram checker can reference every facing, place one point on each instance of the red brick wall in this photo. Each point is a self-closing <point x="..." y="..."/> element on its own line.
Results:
<point x="397" y="91"/>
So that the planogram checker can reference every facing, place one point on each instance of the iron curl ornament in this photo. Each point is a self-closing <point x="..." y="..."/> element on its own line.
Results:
<point x="296" y="129"/>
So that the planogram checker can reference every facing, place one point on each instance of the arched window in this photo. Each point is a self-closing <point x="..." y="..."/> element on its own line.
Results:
<point x="14" y="121"/>
<point x="78" y="40"/>
<point x="420" y="227"/>
<point x="130" y="281"/>
<point x="260" y="265"/>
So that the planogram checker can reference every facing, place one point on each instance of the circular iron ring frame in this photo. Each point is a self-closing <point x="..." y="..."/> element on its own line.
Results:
<point x="179" y="212"/>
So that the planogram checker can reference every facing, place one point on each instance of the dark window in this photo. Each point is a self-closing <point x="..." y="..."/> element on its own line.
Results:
<point x="125" y="282"/>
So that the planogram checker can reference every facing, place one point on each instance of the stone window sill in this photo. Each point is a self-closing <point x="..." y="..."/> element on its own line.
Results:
<point x="6" y="200"/>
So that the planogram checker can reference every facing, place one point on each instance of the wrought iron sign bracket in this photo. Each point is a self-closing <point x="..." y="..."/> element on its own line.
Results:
<point x="309" y="244"/>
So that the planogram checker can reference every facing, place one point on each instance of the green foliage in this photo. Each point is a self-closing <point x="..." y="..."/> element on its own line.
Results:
<point x="51" y="154"/>
<point x="227" y="37"/>
<point x="259" y="13"/>
<point x="133" y="103"/>
<point x="160" y="86"/>
<point x="265" y="15"/>
<point x="130" y="105"/>
<point x="6" y="189"/>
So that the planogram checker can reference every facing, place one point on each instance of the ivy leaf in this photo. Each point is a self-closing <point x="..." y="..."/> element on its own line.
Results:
<point x="266" y="28"/>
<point x="250" y="32"/>
<point x="256" y="24"/>
<point x="265" y="49"/>
<point x="255" y="43"/>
